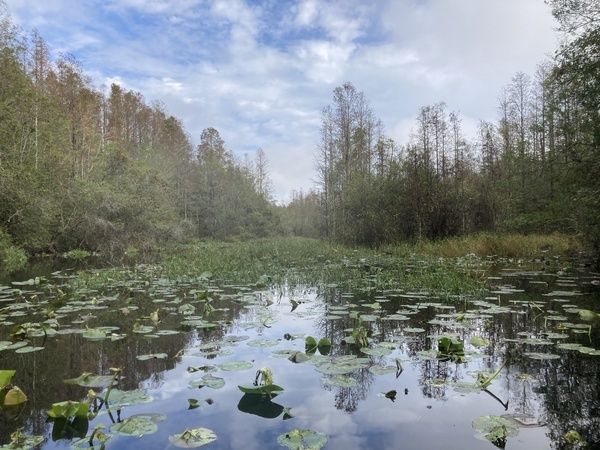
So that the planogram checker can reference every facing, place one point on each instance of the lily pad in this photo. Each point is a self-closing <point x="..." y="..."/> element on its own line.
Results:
<point x="542" y="356"/>
<point x="134" y="426"/>
<point x="479" y="341"/>
<point x="209" y="381"/>
<point x="263" y="343"/>
<point x="118" y="397"/>
<point x="378" y="370"/>
<point x="193" y="438"/>
<point x="495" y="429"/>
<point x="340" y="381"/>
<point x="91" y="380"/>
<point x="379" y="351"/>
<point x="235" y="365"/>
<point x="267" y="389"/>
<point x="302" y="440"/>
<point x="94" y="335"/>
<point x="152" y="356"/>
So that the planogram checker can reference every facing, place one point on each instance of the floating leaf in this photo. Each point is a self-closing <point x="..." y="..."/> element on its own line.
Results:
<point x="263" y="343"/>
<point x="91" y="380"/>
<point x="268" y="389"/>
<point x="379" y="351"/>
<point x="534" y="355"/>
<point x="495" y="429"/>
<point x="193" y="403"/>
<point x="134" y="426"/>
<point x="152" y="356"/>
<point x="235" y="365"/>
<point x="479" y="341"/>
<point x="209" y="381"/>
<point x="378" y="370"/>
<point x="299" y="357"/>
<point x="340" y="381"/>
<point x="118" y="397"/>
<point x="193" y="438"/>
<point x="68" y="409"/>
<point x="586" y="314"/>
<point x="28" y="349"/>
<point x="94" y="335"/>
<point x="303" y="440"/>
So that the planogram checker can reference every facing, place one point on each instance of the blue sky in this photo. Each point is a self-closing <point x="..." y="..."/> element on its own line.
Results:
<point x="260" y="71"/>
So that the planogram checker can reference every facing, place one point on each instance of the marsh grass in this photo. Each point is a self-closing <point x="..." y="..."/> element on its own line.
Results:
<point x="301" y="261"/>
<point x="452" y="267"/>
<point x="500" y="245"/>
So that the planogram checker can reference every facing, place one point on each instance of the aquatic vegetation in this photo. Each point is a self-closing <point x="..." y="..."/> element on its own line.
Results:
<point x="365" y="321"/>
<point x="18" y="440"/>
<point x="196" y="437"/>
<point x="10" y="395"/>
<point x="303" y="440"/>
<point x="495" y="429"/>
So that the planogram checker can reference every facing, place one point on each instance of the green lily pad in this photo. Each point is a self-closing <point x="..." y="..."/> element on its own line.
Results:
<point x="495" y="429"/>
<point x="379" y="351"/>
<point x="134" y="426"/>
<point x="235" y="365"/>
<point x="68" y="409"/>
<point x="152" y="356"/>
<point x="94" y="335"/>
<point x="193" y="438"/>
<point x="378" y="370"/>
<point x="340" y="381"/>
<point x="118" y="397"/>
<point x="534" y="355"/>
<point x="414" y="330"/>
<point x="268" y="389"/>
<point x="479" y="341"/>
<point x="91" y="380"/>
<point x="263" y="343"/>
<point x="207" y="380"/>
<point x="302" y="440"/>
<point x="586" y="314"/>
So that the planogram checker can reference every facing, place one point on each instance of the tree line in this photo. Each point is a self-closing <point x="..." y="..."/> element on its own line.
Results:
<point x="103" y="169"/>
<point x="534" y="170"/>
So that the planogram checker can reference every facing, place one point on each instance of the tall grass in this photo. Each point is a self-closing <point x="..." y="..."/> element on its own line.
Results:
<point x="300" y="261"/>
<point x="500" y="245"/>
<point x="451" y="267"/>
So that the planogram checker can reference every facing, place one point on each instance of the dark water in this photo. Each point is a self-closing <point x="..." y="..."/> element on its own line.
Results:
<point x="549" y="396"/>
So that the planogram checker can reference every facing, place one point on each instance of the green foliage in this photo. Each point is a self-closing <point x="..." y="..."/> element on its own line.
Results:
<point x="323" y="346"/>
<point x="11" y="257"/>
<point x="450" y="348"/>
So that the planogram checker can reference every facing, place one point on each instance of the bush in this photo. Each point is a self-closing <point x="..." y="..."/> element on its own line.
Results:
<point x="11" y="257"/>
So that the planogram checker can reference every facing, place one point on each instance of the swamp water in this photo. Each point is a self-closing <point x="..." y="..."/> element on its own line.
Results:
<point x="346" y="370"/>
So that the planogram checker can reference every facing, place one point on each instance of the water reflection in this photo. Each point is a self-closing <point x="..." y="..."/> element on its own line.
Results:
<point x="549" y="396"/>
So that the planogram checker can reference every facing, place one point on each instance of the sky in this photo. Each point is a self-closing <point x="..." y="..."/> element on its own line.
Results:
<point x="261" y="71"/>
